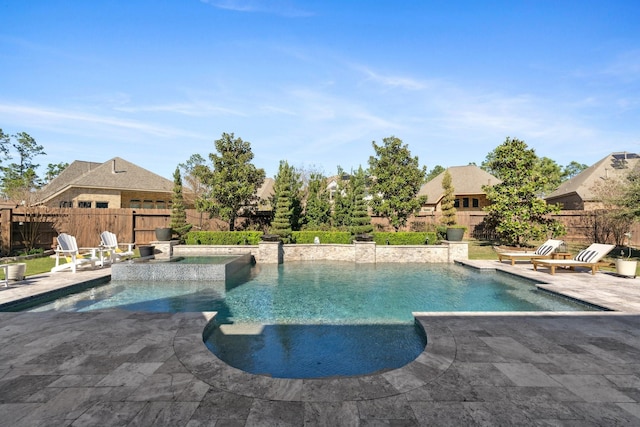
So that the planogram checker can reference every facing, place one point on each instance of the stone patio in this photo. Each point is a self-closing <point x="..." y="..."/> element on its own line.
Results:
<point x="139" y="369"/>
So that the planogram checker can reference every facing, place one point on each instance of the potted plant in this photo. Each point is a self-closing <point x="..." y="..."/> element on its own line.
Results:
<point x="16" y="271"/>
<point x="626" y="266"/>
<point x="163" y="234"/>
<point x="454" y="232"/>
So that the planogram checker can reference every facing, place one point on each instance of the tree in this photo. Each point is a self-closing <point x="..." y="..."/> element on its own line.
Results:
<point x="437" y="170"/>
<point x="232" y="182"/>
<point x="448" y="201"/>
<point x="289" y="178"/>
<point x="360" y="219"/>
<point x="317" y="213"/>
<point x="552" y="172"/>
<point x="613" y="218"/>
<point x="572" y="169"/>
<point x="179" y="223"/>
<point x="397" y="178"/>
<point x="197" y="188"/>
<point x="20" y="176"/>
<point x="516" y="212"/>
<point x="281" y="224"/>
<point x="341" y="214"/>
<point x="53" y="170"/>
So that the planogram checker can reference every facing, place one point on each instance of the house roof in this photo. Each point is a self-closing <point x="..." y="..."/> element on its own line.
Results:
<point x="265" y="192"/>
<point x="466" y="180"/>
<point x="114" y="174"/>
<point x="615" y="165"/>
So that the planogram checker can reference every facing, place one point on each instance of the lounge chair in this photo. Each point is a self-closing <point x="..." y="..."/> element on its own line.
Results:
<point x="68" y="248"/>
<point x="544" y="251"/>
<point x="109" y="241"/>
<point x="589" y="258"/>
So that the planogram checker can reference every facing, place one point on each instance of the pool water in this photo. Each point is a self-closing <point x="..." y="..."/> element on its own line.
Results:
<point x="318" y="319"/>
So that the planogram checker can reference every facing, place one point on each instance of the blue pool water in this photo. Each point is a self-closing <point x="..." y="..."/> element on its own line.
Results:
<point x="315" y="319"/>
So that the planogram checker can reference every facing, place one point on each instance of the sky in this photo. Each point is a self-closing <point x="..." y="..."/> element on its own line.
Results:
<point x="315" y="82"/>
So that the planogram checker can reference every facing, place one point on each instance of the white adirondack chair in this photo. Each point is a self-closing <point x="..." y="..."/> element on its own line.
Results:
<point x="68" y="249"/>
<point x="109" y="241"/>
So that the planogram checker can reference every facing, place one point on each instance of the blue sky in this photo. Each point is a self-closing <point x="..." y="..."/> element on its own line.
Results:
<point x="315" y="82"/>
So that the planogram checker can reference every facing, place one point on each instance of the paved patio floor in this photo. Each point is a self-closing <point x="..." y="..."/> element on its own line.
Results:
<point x="113" y="368"/>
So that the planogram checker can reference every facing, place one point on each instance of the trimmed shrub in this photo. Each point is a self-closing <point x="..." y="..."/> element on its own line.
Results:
<point x="223" y="237"/>
<point x="340" y="237"/>
<point x="405" y="238"/>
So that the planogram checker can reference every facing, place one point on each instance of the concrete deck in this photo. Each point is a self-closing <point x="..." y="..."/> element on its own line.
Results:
<point x="138" y="369"/>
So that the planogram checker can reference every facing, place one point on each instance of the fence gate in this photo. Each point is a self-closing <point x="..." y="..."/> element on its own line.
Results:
<point x="145" y="223"/>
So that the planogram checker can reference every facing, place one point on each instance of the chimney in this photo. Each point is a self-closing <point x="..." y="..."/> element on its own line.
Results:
<point x="113" y="166"/>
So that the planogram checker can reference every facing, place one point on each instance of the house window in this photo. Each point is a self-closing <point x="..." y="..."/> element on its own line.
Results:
<point x="82" y="204"/>
<point x="66" y="204"/>
<point x="475" y="203"/>
<point x="465" y="202"/>
<point x="134" y="203"/>
<point x="147" y="204"/>
<point x="160" y="204"/>
<point x="456" y="203"/>
<point x="102" y="205"/>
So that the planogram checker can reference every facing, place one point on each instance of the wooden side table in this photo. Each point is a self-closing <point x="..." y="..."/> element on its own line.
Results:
<point x="561" y="255"/>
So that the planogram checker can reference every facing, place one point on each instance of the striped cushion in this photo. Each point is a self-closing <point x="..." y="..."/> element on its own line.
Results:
<point x="544" y="250"/>
<point x="586" y="256"/>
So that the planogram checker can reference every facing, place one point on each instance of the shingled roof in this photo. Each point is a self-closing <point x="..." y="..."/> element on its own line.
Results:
<point x="114" y="174"/>
<point x="466" y="180"/>
<point x="615" y="165"/>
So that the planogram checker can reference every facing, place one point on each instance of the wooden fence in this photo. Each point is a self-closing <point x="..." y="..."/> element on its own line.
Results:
<point x="138" y="225"/>
<point x="42" y="225"/>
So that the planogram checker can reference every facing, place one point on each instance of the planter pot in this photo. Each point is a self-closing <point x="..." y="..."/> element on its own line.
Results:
<point x="625" y="267"/>
<point x="146" y="251"/>
<point x="455" y="234"/>
<point x="270" y="238"/>
<point x="16" y="271"/>
<point x="364" y="238"/>
<point x="163" y="234"/>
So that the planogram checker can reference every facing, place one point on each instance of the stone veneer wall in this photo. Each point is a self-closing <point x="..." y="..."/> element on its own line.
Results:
<point x="175" y="271"/>
<point x="360" y="252"/>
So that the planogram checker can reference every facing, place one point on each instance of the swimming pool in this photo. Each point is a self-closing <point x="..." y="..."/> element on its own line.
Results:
<point x="317" y="319"/>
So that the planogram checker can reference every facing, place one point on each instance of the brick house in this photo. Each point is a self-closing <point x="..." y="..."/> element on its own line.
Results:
<point x="115" y="183"/>
<point x="467" y="183"/>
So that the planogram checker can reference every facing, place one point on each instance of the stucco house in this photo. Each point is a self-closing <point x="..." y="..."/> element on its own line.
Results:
<point x="467" y="183"/>
<point x="580" y="192"/>
<point x="115" y="183"/>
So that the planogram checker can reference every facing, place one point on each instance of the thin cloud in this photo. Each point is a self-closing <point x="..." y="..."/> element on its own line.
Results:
<point x="394" y="81"/>
<point x="196" y="109"/>
<point x="275" y="7"/>
<point x="64" y="119"/>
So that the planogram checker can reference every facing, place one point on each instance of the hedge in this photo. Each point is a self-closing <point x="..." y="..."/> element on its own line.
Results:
<point x="223" y="237"/>
<point x="339" y="237"/>
<point x="405" y="238"/>
<point x="301" y="237"/>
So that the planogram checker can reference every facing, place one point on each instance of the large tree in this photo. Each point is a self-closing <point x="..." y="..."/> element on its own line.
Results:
<point x="397" y="178"/>
<point x="517" y="213"/>
<point x="437" y="170"/>
<point x="19" y="178"/>
<point x="232" y="182"/>
<point x="317" y="212"/>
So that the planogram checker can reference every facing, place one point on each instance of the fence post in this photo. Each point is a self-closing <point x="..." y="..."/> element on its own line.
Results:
<point x="5" y="231"/>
